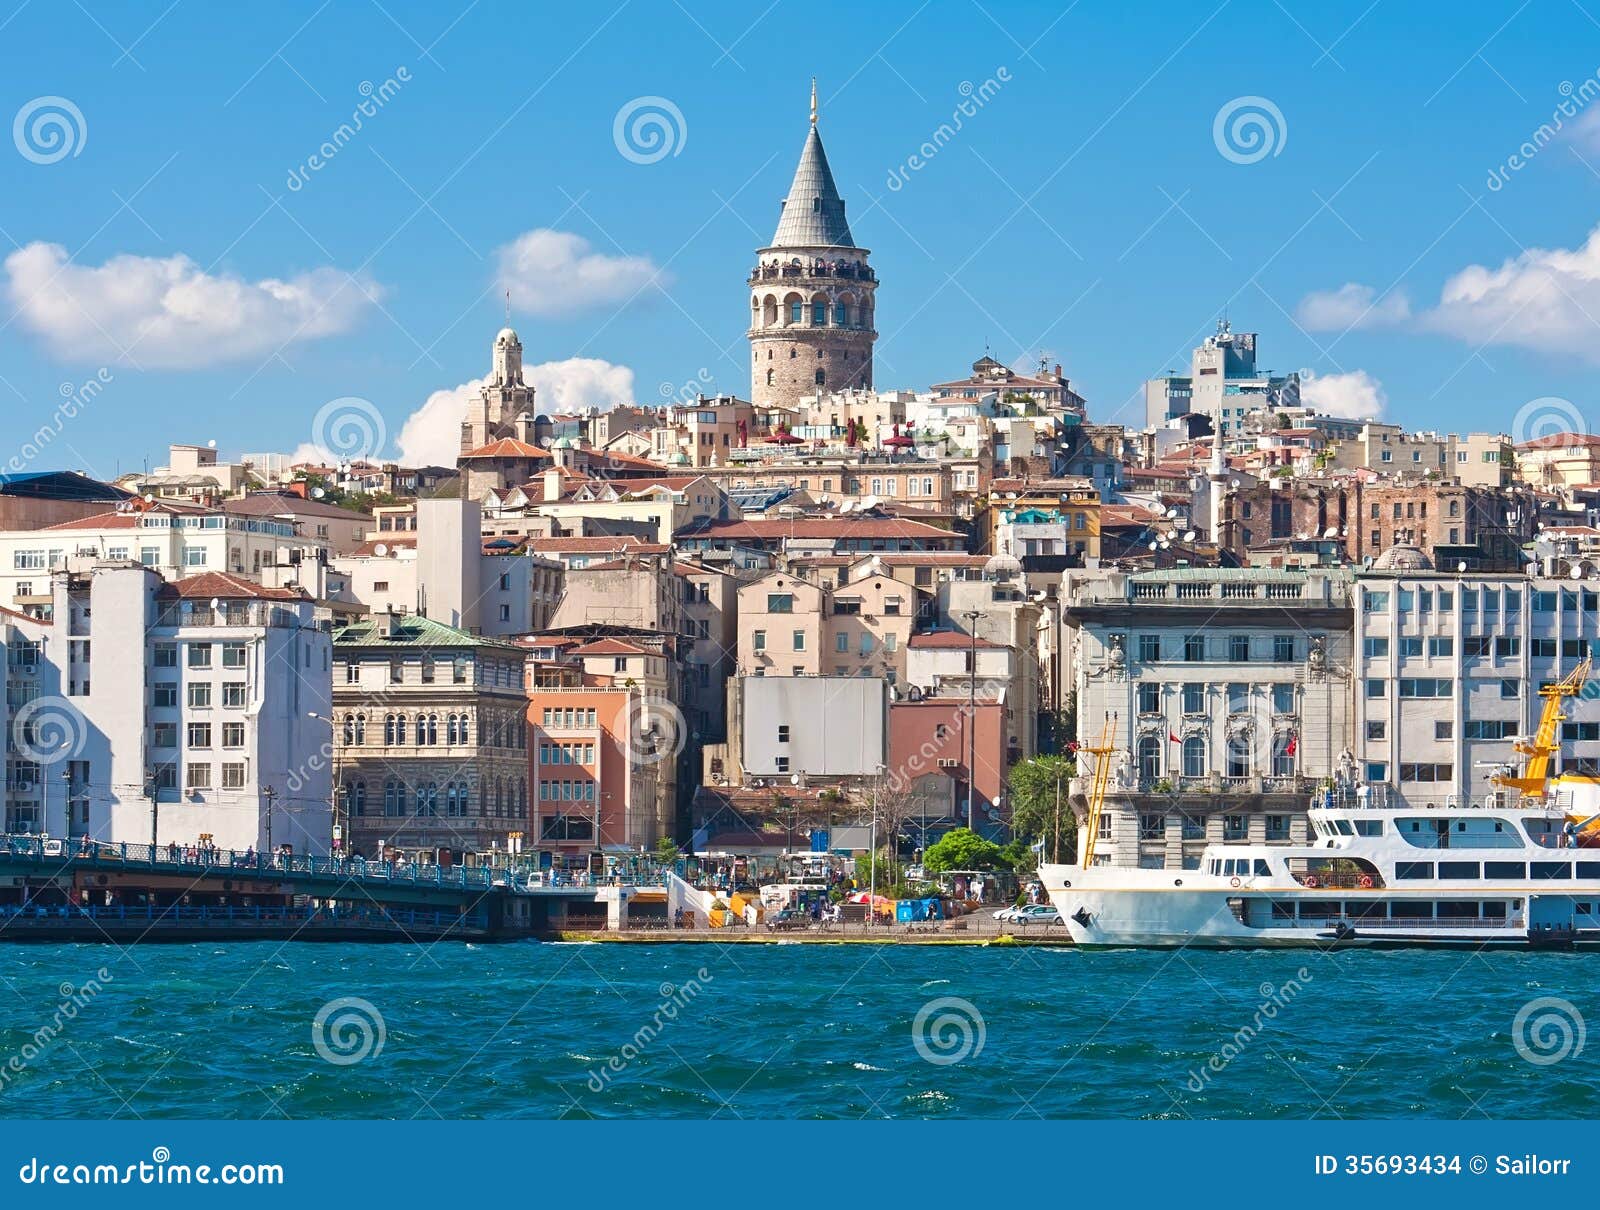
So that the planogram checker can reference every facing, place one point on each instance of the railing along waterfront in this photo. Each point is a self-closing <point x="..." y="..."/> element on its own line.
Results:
<point x="264" y="915"/>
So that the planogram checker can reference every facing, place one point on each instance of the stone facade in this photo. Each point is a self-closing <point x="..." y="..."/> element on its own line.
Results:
<point x="811" y="294"/>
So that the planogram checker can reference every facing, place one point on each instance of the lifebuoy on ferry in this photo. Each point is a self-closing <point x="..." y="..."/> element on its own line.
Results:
<point x="1233" y="882"/>
<point x="1366" y="882"/>
<point x="1311" y="881"/>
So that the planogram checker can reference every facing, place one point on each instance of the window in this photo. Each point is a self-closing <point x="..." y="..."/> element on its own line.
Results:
<point x="164" y="694"/>
<point x="1377" y="729"/>
<point x="165" y="655"/>
<point x="233" y="694"/>
<point x="1375" y="648"/>
<point x="1149" y="699"/>
<point x="780" y="602"/>
<point x="1510" y="687"/>
<point x="1277" y="827"/>
<point x="1375" y="602"/>
<point x="233" y="655"/>
<point x="799" y="640"/>
<point x="782" y="764"/>
<point x="758" y="640"/>
<point x="233" y="735"/>
<point x="1194" y="698"/>
<point x="198" y="735"/>
<point x="200" y="696"/>
<point x="232" y="775"/>
<point x="1238" y="698"/>
<point x="1441" y="647"/>
<point x="1283" y="698"/>
<point x="1426" y="773"/>
<point x="1152" y="827"/>
<point x="1444" y="729"/>
<point x="1410" y="646"/>
<point x="1239" y="648"/>
<point x="164" y="735"/>
<point x="841" y="642"/>
<point x="1283" y="649"/>
<point x="197" y="776"/>
<point x="1149" y="648"/>
<point x="1194" y="648"/>
<point x="1194" y="756"/>
<point x="1422" y="686"/>
<point x="199" y="655"/>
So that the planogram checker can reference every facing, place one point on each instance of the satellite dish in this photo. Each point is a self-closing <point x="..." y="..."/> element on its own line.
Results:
<point x="149" y="498"/>
<point x="1234" y="483"/>
<point x="1172" y="512"/>
<point x="212" y="444"/>
<point x="1577" y="571"/>
<point x="380" y="549"/>
<point x="1331" y="532"/>
<point x="216" y="602"/>
<point x="317" y="493"/>
<point x="1188" y="535"/>
<point x="794" y="779"/>
<point x="1462" y="566"/>
<point x="1154" y="545"/>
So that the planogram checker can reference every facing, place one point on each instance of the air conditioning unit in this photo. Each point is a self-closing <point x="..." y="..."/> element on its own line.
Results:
<point x="947" y="763"/>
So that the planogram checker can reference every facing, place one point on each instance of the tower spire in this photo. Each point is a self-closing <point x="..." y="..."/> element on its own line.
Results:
<point x="813" y="100"/>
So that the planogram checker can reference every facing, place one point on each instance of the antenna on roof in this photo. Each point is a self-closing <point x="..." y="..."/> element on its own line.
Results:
<point x="813" y="100"/>
<point x="508" y="308"/>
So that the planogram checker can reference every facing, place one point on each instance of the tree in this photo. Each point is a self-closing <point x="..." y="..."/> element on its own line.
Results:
<point x="666" y="852"/>
<point x="964" y="849"/>
<point x="1034" y="788"/>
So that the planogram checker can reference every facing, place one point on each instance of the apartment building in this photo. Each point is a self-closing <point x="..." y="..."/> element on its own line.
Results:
<point x="789" y="626"/>
<point x="430" y="738"/>
<point x="1449" y="671"/>
<point x="1225" y="694"/>
<point x="186" y="710"/>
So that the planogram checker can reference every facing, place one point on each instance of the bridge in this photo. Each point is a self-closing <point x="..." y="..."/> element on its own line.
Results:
<point x="83" y="889"/>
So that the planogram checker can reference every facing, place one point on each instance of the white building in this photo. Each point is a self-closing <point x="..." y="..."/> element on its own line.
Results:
<point x="1450" y="668"/>
<point x="194" y="708"/>
<point x="172" y="538"/>
<point x="1225" y="694"/>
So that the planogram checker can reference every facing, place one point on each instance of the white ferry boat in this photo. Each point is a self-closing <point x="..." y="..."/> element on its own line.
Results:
<point x="1470" y="875"/>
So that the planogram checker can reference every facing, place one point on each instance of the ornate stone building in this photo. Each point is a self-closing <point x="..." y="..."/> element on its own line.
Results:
<point x="499" y="436"/>
<point x="811" y="293"/>
<point x="430" y="737"/>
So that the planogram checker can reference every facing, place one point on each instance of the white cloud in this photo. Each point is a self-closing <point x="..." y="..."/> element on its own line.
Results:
<point x="431" y="435"/>
<point x="1356" y="395"/>
<point x="167" y="312"/>
<point x="1545" y="299"/>
<point x="1584" y="134"/>
<point x="1352" y="305"/>
<point x="556" y="273"/>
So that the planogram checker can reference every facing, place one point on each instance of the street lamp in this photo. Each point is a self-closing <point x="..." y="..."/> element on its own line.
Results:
<point x="972" y="616"/>
<point x="336" y="791"/>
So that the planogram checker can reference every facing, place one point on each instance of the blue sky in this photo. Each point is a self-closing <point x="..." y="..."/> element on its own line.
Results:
<point x="1085" y="210"/>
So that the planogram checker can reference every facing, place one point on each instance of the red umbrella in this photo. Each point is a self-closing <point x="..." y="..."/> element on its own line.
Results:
<point x="897" y="440"/>
<point x="784" y="437"/>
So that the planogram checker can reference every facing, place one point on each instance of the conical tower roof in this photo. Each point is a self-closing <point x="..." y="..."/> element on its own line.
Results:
<point x="813" y="213"/>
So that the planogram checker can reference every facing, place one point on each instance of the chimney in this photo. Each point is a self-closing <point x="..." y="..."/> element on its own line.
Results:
<point x="552" y="484"/>
<point x="1058" y="369"/>
<point x="524" y="428"/>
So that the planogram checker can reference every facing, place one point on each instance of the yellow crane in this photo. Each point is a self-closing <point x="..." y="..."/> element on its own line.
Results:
<point x="1546" y="742"/>
<point x="1102" y="752"/>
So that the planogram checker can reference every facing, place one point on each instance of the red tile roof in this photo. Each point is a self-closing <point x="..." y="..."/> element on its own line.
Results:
<point x="610" y="647"/>
<point x="229" y="587"/>
<point x="111" y="520"/>
<point x="605" y="544"/>
<point x="822" y="527"/>
<point x="1556" y="441"/>
<point x="949" y="640"/>
<point x="507" y="447"/>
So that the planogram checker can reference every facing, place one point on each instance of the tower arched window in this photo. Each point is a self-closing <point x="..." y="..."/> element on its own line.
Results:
<point x="822" y="378"/>
<point x="796" y="311"/>
<point x="819" y="314"/>
<point x="1194" y="756"/>
<point x="771" y="374"/>
<point x="841" y="314"/>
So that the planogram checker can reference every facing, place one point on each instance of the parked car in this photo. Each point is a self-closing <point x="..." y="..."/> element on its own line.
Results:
<point x="1033" y="913"/>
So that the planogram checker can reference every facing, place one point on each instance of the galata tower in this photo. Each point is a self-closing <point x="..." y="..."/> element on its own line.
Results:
<point x="811" y="293"/>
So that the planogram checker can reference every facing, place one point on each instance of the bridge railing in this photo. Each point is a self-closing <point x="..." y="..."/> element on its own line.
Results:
<point x="195" y="857"/>
<point x="260" y="914"/>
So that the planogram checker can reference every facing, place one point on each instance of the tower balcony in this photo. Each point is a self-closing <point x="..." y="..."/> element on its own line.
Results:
<point x="825" y="272"/>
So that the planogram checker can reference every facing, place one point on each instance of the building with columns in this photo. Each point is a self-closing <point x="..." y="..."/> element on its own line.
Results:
<point x="811" y="293"/>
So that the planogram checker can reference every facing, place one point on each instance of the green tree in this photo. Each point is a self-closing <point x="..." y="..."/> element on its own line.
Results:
<point x="1039" y="805"/>
<point x="666" y="852"/>
<point x="964" y="849"/>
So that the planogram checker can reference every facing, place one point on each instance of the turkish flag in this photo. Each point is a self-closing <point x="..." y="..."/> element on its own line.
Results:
<point x="1172" y="737"/>
<point x="1293" y="746"/>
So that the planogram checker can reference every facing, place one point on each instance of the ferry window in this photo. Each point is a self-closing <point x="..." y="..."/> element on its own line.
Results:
<point x="1458" y="869"/>
<point x="1344" y="827"/>
<point x="1367" y="907"/>
<point x="1583" y="909"/>
<point x="1310" y="909"/>
<point x="1504" y="869"/>
<point x="1495" y="910"/>
<point x="1413" y="869"/>
<point x="1458" y="909"/>
<point x="1282" y="909"/>
<point x="1369" y="827"/>
<point x="1262" y="870"/>
<point x="1411" y="909"/>
<point x="1589" y="869"/>
<point x="1552" y="869"/>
